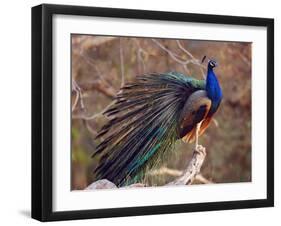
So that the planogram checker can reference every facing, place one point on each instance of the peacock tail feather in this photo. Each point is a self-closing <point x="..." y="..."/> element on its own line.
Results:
<point x="143" y="126"/>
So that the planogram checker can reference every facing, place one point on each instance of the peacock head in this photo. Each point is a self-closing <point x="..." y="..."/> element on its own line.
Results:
<point x="212" y="64"/>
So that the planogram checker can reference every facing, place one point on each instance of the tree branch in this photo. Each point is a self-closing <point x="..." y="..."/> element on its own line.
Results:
<point x="193" y="167"/>
<point x="100" y="87"/>
<point x="121" y="62"/>
<point x="76" y="88"/>
<point x="199" y="177"/>
<point x="179" y="60"/>
<point x="93" y="116"/>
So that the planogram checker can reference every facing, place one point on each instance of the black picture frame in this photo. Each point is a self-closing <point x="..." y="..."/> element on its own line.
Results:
<point x="42" y="108"/>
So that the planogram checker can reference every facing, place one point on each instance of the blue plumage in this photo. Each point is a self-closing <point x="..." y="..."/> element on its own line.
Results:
<point x="213" y="88"/>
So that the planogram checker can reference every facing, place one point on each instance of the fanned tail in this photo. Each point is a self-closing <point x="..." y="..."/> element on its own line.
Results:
<point x="143" y="126"/>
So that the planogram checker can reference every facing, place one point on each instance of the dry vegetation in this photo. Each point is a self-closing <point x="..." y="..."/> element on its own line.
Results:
<point x="100" y="65"/>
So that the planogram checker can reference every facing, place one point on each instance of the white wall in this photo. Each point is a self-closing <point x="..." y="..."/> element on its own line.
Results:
<point x="15" y="102"/>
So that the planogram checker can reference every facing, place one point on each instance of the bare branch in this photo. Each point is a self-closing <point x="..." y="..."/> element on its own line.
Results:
<point x="235" y="50"/>
<point x="186" y="68"/>
<point x="165" y="171"/>
<point x="185" y="50"/>
<point x="89" y="128"/>
<point x="121" y="63"/>
<point x="244" y="59"/>
<point x="77" y="89"/>
<point x="193" y="167"/>
<point x="88" y="60"/>
<point x="94" y="116"/>
<point x="194" y="60"/>
<point x="99" y="85"/>
<point x="75" y="101"/>
<point x="140" y="53"/>
<point x="215" y="122"/>
<point x="174" y="56"/>
<point x="179" y="60"/>
<point x="199" y="177"/>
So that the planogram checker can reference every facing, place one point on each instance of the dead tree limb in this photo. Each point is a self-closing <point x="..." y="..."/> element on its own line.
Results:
<point x="193" y="167"/>
<point x="121" y="63"/>
<point x="199" y="177"/>
<point x="100" y="87"/>
<point x="179" y="59"/>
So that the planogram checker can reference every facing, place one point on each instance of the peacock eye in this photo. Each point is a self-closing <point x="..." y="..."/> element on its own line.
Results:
<point x="212" y="63"/>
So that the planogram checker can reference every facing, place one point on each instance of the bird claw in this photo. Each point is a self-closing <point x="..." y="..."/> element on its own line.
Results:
<point x="199" y="149"/>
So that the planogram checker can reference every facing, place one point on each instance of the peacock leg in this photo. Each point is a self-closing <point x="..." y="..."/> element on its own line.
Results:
<point x="197" y="135"/>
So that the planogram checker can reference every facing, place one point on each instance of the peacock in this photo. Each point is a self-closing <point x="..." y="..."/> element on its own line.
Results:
<point x="148" y="116"/>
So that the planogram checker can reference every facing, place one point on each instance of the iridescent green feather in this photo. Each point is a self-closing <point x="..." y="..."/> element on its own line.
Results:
<point x="143" y="126"/>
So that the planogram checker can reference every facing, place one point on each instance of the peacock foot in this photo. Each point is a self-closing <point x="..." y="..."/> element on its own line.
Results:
<point x="199" y="149"/>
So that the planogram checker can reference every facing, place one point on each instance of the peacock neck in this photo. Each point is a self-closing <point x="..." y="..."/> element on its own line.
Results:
<point x="213" y="87"/>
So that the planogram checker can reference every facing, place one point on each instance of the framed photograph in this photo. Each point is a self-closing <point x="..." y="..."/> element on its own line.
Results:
<point x="146" y="112"/>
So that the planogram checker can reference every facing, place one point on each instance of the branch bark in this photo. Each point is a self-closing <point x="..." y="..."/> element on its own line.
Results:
<point x="193" y="168"/>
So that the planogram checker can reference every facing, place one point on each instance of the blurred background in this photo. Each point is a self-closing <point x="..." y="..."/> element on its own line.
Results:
<point x="100" y="65"/>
